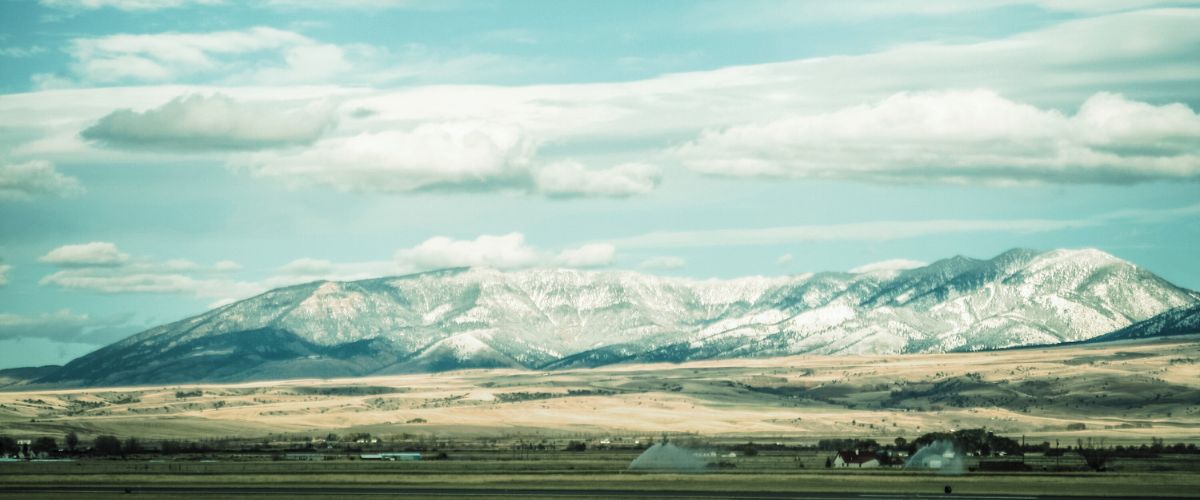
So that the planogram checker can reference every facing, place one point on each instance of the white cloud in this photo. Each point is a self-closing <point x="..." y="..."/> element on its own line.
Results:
<point x="152" y="5"/>
<point x="21" y="52"/>
<point x="768" y="14"/>
<point x="4" y="269"/>
<point x="66" y="326"/>
<point x="356" y="4"/>
<point x="305" y="270"/>
<point x="125" y="5"/>
<point x="1146" y="54"/>
<point x="96" y="253"/>
<point x="226" y="266"/>
<point x="962" y="136"/>
<point x="889" y="265"/>
<point x="784" y="259"/>
<point x="571" y="178"/>
<point x="858" y="231"/>
<point x="35" y="179"/>
<point x="506" y="252"/>
<point x="590" y="255"/>
<point x="462" y="155"/>
<point x="455" y="156"/>
<point x="162" y="57"/>
<point x="104" y="268"/>
<point x="889" y="230"/>
<point x="214" y="122"/>
<point x="663" y="262"/>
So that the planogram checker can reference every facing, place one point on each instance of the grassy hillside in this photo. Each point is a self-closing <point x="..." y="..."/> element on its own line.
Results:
<point x="1122" y="391"/>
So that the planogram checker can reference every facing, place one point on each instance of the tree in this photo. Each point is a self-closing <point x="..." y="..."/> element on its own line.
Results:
<point x="828" y="463"/>
<point x="8" y="445"/>
<point x="72" y="441"/>
<point x="901" y="443"/>
<point x="107" y="445"/>
<point x="132" y="445"/>
<point x="45" y="444"/>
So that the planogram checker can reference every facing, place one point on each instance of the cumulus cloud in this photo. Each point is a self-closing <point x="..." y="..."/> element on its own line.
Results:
<point x="571" y="178"/>
<point x="446" y="156"/>
<point x="96" y="253"/>
<point x="66" y="326"/>
<point x="590" y="255"/>
<point x="663" y="262"/>
<point x="889" y="265"/>
<point x="35" y="179"/>
<point x="213" y="122"/>
<point x="506" y="252"/>
<point x="453" y="155"/>
<point x="962" y="136"/>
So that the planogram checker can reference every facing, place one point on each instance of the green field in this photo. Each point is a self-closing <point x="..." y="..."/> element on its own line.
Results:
<point x="775" y="471"/>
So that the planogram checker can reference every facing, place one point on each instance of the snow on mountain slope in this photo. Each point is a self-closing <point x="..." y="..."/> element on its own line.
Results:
<point x="459" y="318"/>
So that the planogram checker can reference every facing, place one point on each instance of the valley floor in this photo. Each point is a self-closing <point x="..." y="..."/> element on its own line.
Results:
<point x="1121" y="392"/>
<point x="589" y="474"/>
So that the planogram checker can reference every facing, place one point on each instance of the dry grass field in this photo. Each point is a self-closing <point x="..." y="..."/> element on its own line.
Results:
<point x="1124" y="392"/>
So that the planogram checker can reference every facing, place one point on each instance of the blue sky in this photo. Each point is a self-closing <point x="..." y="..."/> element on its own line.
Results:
<point x="161" y="157"/>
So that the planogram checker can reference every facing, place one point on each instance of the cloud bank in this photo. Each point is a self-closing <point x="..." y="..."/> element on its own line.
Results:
<point x="962" y="136"/>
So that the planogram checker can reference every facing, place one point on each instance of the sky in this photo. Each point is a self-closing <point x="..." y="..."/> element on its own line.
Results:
<point x="162" y="157"/>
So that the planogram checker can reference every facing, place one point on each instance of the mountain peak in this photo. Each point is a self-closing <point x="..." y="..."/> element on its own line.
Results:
<point x="479" y="317"/>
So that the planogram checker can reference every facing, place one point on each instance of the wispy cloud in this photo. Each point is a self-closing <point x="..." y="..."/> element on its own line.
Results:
<point x="884" y="230"/>
<point x="102" y="267"/>
<point x="66" y="326"/>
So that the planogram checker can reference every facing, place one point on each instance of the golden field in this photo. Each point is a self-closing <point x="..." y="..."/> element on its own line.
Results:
<point x="1121" y="392"/>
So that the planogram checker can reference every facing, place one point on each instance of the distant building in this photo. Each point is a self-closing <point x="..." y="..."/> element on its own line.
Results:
<point x="304" y="456"/>
<point x="391" y="457"/>
<point x="856" y="460"/>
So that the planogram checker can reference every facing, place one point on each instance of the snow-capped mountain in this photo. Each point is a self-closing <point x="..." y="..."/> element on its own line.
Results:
<point x="553" y="318"/>
<point x="1179" y="321"/>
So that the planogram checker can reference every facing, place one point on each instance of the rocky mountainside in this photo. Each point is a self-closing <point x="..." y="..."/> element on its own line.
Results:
<point x="552" y="318"/>
<point x="1179" y="321"/>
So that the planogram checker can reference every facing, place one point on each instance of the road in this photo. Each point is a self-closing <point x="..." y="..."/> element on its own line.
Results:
<point x="252" y="491"/>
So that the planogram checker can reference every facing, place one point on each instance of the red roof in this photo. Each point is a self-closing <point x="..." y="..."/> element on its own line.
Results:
<point x="857" y="457"/>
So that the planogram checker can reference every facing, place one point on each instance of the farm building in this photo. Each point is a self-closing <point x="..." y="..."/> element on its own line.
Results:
<point x="856" y="459"/>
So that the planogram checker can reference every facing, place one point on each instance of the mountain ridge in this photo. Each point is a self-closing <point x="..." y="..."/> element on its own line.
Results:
<point x="555" y="318"/>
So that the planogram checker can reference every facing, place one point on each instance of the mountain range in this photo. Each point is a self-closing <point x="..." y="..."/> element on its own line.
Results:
<point x="557" y="318"/>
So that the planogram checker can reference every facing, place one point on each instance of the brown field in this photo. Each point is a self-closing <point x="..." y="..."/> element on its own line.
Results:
<point x="1124" y="392"/>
